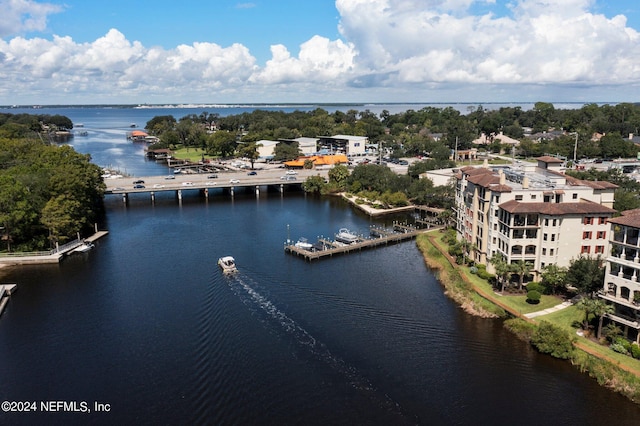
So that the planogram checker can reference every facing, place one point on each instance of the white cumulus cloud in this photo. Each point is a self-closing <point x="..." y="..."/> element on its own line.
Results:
<point x="398" y="49"/>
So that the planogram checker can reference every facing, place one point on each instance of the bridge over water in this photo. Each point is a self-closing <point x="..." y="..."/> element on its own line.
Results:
<point x="204" y="182"/>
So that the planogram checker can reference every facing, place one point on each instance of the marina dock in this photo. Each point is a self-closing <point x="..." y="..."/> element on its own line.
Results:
<point x="378" y="237"/>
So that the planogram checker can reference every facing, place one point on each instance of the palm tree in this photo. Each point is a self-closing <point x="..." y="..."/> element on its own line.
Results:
<point x="502" y="268"/>
<point x="587" y="305"/>
<point x="521" y="269"/>
<point x="600" y="309"/>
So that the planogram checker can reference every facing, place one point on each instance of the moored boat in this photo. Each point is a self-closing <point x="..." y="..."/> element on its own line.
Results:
<point x="84" y="247"/>
<point x="346" y="236"/>
<point x="228" y="264"/>
<point x="302" y="243"/>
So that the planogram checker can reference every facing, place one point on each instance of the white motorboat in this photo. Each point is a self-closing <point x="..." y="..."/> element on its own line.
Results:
<point x="346" y="236"/>
<point x="228" y="264"/>
<point x="84" y="247"/>
<point x="302" y="243"/>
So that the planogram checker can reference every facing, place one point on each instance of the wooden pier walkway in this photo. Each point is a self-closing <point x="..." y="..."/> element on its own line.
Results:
<point x="379" y="237"/>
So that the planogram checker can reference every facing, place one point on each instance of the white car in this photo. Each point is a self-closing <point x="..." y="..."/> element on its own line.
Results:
<point x="234" y="181"/>
<point x="187" y="183"/>
<point x="210" y="183"/>
<point x="158" y="185"/>
<point x="291" y="172"/>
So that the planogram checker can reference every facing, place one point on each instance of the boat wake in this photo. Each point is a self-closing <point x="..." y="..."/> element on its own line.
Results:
<point x="246" y="289"/>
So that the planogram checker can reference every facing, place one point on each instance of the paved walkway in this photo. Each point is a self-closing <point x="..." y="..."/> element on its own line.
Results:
<point x="548" y="311"/>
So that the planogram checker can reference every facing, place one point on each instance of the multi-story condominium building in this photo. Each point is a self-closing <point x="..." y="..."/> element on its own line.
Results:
<point x="622" y="273"/>
<point x="533" y="213"/>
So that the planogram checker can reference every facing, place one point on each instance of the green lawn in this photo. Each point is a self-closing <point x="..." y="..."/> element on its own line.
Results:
<point x="192" y="154"/>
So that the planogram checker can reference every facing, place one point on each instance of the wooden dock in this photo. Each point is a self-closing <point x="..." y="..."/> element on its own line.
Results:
<point x="379" y="237"/>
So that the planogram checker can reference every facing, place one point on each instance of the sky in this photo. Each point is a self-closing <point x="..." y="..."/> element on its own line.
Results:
<point x="318" y="51"/>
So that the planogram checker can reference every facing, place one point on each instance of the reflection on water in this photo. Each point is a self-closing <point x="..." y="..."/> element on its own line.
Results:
<point x="148" y="323"/>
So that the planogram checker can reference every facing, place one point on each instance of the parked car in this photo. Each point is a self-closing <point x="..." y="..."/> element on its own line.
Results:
<point x="138" y="182"/>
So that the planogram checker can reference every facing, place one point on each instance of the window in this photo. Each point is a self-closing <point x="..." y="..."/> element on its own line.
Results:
<point x="602" y="235"/>
<point x="544" y="251"/>
<point x="518" y="197"/>
<point x="553" y="237"/>
<point x="600" y="249"/>
<point x="555" y="222"/>
<point x="550" y="252"/>
<point x="546" y="222"/>
<point x="587" y="220"/>
<point x="544" y="237"/>
<point x="533" y="196"/>
<point x="586" y="235"/>
<point x="575" y="196"/>
<point x="585" y="249"/>
<point x="602" y="220"/>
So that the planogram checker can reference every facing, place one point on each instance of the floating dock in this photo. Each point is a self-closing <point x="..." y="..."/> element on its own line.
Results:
<point x="379" y="237"/>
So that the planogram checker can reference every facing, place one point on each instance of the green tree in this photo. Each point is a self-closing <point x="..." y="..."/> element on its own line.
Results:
<point x="314" y="184"/>
<point x="554" y="277"/>
<point x="339" y="175"/>
<point x="502" y="268"/>
<point x="286" y="151"/>
<point x="553" y="340"/>
<point x="590" y="307"/>
<point x="521" y="269"/>
<point x="250" y="151"/>
<point x="600" y="309"/>
<point x="586" y="274"/>
<point x="221" y="143"/>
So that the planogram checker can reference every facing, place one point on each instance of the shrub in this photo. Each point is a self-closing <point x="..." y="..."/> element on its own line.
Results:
<point x="536" y="286"/>
<point x="533" y="297"/>
<point x="553" y="340"/>
<point x="619" y="347"/>
<point x="473" y="270"/>
<point x="635" y="351"/>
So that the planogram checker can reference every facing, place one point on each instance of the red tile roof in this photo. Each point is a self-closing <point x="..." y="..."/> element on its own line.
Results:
<point x="557" y="209"/>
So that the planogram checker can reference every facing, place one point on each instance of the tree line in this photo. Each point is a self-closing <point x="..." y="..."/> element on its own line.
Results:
<point x="48" y="193"/>
<point x="419" y="132"/>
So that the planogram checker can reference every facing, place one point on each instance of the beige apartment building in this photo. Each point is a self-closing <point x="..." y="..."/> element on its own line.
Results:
<point x="622" y="273"/>
<point x="533" y="213"/>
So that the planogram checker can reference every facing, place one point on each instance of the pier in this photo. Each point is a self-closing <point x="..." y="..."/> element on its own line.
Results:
<point x="378" y="237"/>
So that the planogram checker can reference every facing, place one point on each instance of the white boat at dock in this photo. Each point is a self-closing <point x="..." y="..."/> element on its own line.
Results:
<point x="228" y="264"/>
<point x="83" y="248"/>
<point x="304" y="244"/>
<point x="345" y="236"/>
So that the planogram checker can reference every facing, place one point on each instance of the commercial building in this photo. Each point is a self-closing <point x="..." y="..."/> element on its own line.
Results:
<point x="533" y="213"/>
<point x="343" y="144"/>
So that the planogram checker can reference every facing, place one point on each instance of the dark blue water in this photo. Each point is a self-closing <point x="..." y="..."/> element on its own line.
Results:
<point x="148" y="324"/>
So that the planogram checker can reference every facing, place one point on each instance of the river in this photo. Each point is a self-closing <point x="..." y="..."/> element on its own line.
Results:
<point x="147" y="325"/>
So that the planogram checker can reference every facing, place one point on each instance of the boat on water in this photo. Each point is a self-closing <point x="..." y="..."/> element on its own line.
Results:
<point x="302" y="243"/>
<point x="345" y="236"/>
<point x="228" y="264"/>
<point x="83" y="248"/>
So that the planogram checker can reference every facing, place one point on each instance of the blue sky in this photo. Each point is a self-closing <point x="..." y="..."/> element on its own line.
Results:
<point x="224" y="51"/>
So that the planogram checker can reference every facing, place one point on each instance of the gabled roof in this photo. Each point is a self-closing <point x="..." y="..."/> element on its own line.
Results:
<point x="549" y="159"/>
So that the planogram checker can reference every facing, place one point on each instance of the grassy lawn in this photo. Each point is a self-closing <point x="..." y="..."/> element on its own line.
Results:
<point x="192" y="154"/>
<point x="565" y="318"/>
